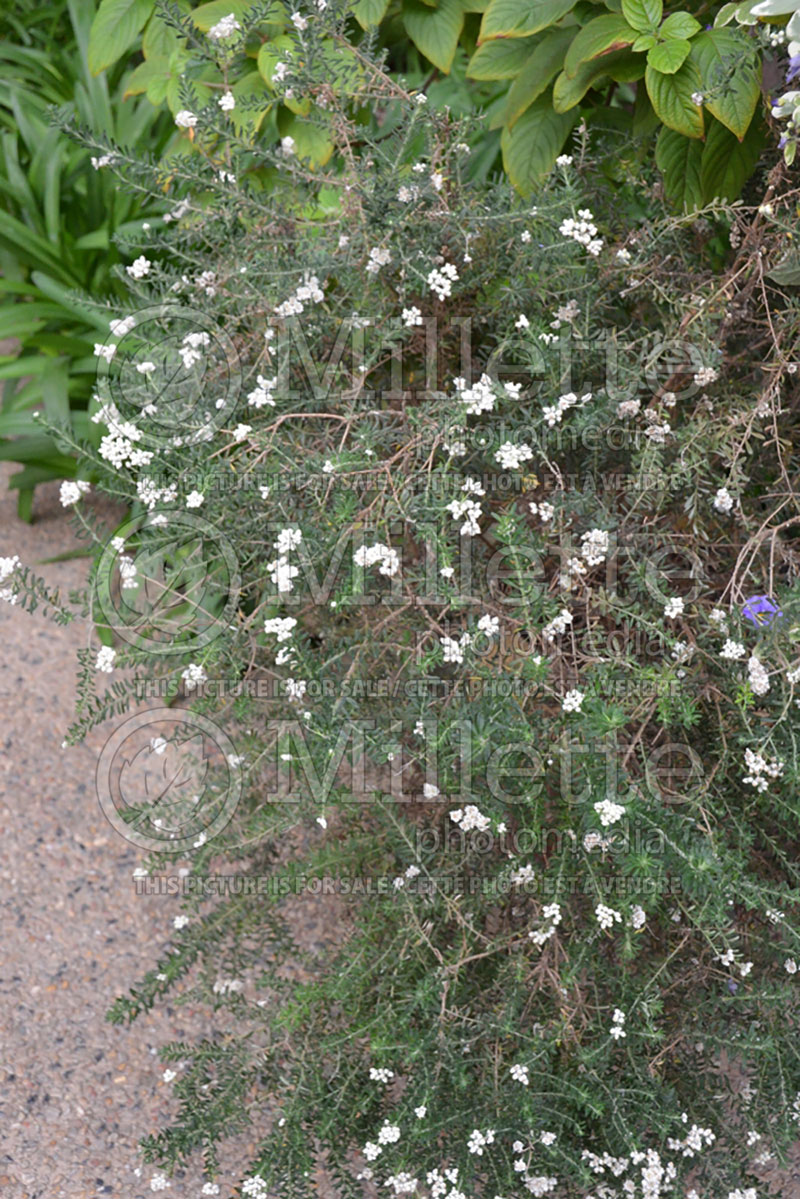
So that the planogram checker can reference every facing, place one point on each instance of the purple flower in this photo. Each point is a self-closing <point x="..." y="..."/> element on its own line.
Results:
<point x="783" y="140"/>
<point x="794" y="68"/>
<point x="760" y="610"/>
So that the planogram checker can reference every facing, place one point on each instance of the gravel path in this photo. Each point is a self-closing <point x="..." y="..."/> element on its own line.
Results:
<point x="77" y="1092"/>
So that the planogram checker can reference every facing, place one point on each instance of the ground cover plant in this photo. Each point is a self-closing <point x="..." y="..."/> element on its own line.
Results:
<point x="464" y="526"/>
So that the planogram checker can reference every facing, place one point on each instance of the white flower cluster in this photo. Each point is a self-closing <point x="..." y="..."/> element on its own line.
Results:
<point x="554" y="413"/>
<point x="572" y="701"/>
<point x="520" y="1074"/>
<point x="609" y="812"/>
<point x="254" y="1187"/>
<point x="757" y="675"/>
<point x="282" y="573"/>
<point x="543" y="510"/>
<point x="105" y="659"/>
<point x="7" y="568"/>
<point x="557" y="626"/>
<point x="369" y="555"/>
<point x="469" y="818"/>
<point x="479" y="1140"/>
<point x="551" y="912"/>
<point x="760" y="770"/>
<point x="224" y="28"/>
<point x="732" y="651"/>
<point x="468" y="508"/>
<point x="583" y="230"/>
<point x="694" y="1142"/>
<point x="594" y="547"/>
<point x="379" y="1074"/>
<point x="119" y="445"/>
<point x="478" y="398"/>
<point x="723" y="500"/>
<point x="192" y="677"/>
<point x="378" y="256"/>
<point x="606" y="916"/>
<point x="261" y="395"/>
<point x="72" y="490"/>
<point x="309" y="290"/>
<point x="441" y="280"/>
<point x="511" y="457"/>
<point x="674" y="608"/>
<point x="412" y="317"/>
<point x="617" y="1029"/>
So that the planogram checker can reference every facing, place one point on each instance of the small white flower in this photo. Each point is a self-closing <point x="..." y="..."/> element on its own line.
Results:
<point x="299" y="21"/>
<point x="139" y="267"/>
<point x="674" y="608"/>
<point x="180" y="921"/>
<point x="168" y="1075"/>
<point x="106" y="657"/>
<point x="520" y="1074"/>
<point x="71" y="491"/>
<point x="195" y="499"/>
<point x="224" y="28"/>
<point x="185" y="119"/>
<point x="421" y="1111"/>
<point x="723" y="500"/>
<point x="572" y="701"/>
<point x="227" y="101"/>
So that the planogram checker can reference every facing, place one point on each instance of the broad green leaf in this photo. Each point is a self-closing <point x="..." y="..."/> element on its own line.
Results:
<point x="247" y="120"/>
<point x="208" y="15"/>
<point x="151" y="76"/>
<point x="435" y="31"/>
<point x="678" y="158"/>
<point x="643" y="43"/>
<point x="501" y="58"/>
<point x="519" y="18"/>
<point x="680" y="24"/>
<point x="370" y="12"/>
<point x="160" y="39"/>
<point x="668" y="57"/>
<point x="786" y="273"/>
<point x="311" y="141"/>
<point x="601" y="36"/>
<point x="532" y="146"/>
<point x="671" y="97"/>
<point x="116" y="26"/>
<point x="644" y="15"/>
<point x="544" y="63"/>
<point x="773" y="8"/>
<point x="730" y="78"/>
<point x="645" y="121"/>
<point x="728" y="162"/>
<point x="621" y="65"/>
<point x="270" y="54"/>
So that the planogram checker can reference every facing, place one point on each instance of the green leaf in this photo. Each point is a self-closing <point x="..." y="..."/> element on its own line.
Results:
<point x="601" y="36"/>
<point x="728" y="162"/>
<point x="370" y="12"/>
<point x="116" y="26"/>
<point x="620" y="65"/>
<point x="680" y="24"/>
<point x="644" y="15"/>
<point x="311" y="141"/>
<point x="270" y="54"/>
<point x="544" y="63"/>
<point x="519" y="18"/>
<point x="678" y="158"/>
<point x="208" y="15"/>
<point x="730" y="78"/>
<point x="669" y="57"/>
<point x="643" y="43"/>
<point x="532" y="146"/>
<point x="435" y="31"/>
<point x="151" y="76"/>
<point x="502" y="58"/>
<point x="671" y="97"/>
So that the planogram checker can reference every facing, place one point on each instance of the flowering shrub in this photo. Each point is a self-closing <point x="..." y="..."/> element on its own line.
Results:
<point x="448" y="516"/>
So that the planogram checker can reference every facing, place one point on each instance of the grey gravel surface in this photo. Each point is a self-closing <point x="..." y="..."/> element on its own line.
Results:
<point x="77" y="1092"/>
